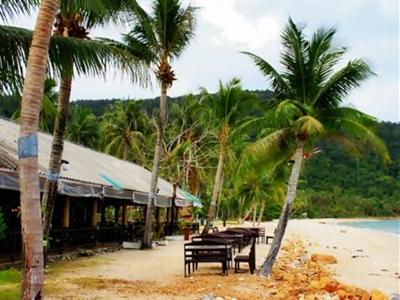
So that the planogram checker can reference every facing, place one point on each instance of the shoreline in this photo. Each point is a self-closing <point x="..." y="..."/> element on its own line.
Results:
<point x="366" y="257"/>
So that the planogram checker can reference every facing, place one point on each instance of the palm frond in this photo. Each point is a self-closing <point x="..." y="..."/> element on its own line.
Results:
<point x="174" y="25"/>
<point x="341" y="83"/>
<point x="10" y="8"/>
<point x="293" y="58"/>
<point x="279" y="85"/>
<point x="89" y="57"/>
<point x="309" y="126"/>
<point x="356" y="127"/>
<point x="273" y="147"/>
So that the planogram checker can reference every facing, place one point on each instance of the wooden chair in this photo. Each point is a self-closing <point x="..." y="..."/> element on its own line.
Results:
<point x="250" y="259"/>
<point x="270" y="237"/>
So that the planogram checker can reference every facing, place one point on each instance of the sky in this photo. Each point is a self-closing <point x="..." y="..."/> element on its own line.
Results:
<point x="368" y="28"/>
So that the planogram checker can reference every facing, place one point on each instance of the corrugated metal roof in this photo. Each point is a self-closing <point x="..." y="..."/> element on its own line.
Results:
<point x="85" y="164"/>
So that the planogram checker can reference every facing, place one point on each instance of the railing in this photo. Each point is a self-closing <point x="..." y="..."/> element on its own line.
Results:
<point x="67" y="239"/>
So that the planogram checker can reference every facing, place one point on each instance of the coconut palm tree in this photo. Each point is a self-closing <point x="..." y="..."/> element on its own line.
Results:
<point x="73" y="22"/>
<point x="83" y="127"/>
<point x="187" y="141"/>
<point x="124" y="131"/>
<point x="161" y="36"/>
<point x="31" y="225"/>
<point x="48" y="110"/>
<point x="307" y="106"/>
<point x="228" y="109"/>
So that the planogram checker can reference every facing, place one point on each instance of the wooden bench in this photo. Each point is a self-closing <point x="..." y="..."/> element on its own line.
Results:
<point x="250" y="259"/>
<point x="212" y="252"/>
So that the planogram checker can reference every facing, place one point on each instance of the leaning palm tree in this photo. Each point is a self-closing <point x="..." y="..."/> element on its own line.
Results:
<point x="31" y="225"/>
<point x="72" y="22"/>
<point x="307" y="106"/>
<point x="228" y="110"/>
<point x="161" y="36"/>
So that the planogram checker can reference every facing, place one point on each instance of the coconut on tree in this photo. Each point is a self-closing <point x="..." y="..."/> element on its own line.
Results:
<point x="161" y="35"/>
<point x="308" y="106"/>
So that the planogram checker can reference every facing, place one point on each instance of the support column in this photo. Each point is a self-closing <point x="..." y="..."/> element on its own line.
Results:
<point x="124" y="212"/>
<point x="103" y="213"/>
<point x="116" y="210"/>
<point x="66" y="210"/>
<point x="94" y="213"/>
<point x="157" y="216"/>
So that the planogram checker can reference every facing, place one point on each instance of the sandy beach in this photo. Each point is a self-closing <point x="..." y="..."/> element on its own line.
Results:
<point x="367" y="259"/>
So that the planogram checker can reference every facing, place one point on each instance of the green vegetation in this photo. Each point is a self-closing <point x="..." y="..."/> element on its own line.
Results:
<point x="10" y="284"/>
<point x="3" y="226"/>
<point x="361" y="185"/>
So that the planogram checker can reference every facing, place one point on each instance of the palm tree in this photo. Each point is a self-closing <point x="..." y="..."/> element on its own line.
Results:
<point x="31" y="225"/>
<point x="187" y="140"/>
<point x="72" y="22"/>
<point x="83" y="127"/>
<point x="124" y="131"/>
<point x="48" y="110"/>
<point x="228" y="109"/>
<point x="161" y="36"/>
<point x="307" y="106"/>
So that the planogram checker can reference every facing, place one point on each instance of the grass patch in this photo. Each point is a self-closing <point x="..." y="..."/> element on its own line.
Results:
<point x="10" y="284"/>
<point x="10" y="276"/>
<point x="13" y="294"/>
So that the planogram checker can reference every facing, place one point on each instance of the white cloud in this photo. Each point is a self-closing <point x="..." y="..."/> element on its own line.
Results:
<point x="234" y="27"/>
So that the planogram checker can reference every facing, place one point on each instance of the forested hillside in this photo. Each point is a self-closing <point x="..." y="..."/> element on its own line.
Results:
<point x="333" y="182"/>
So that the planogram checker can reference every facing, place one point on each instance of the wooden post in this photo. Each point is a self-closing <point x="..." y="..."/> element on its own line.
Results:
<point x="116" y="211"/>
<point x="157" y="216"/>
<point x="103" y="213"/>
<point x="168" y="215"/>
<point x="124" y="212"/>
<point x="66" y="212"/>
<point x="94" y="213"/>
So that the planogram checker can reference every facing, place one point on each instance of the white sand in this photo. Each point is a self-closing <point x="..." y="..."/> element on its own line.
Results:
<point x="374" y="267"/>
<point x="366" y="258"/>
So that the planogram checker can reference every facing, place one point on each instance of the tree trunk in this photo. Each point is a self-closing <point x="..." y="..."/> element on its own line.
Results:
<point x="246" y="215"/>
<point x="156" y="165"/>
<point x="284" y="218"/>
<point x="254" y="215"/>
<point x="217" y="184"/>
<point x="239" y="214"/>
<point x="261" y="213"/>
<point x="57" y="147"/>
<point x="31" y="223"/>
<point x="219" y="196"/>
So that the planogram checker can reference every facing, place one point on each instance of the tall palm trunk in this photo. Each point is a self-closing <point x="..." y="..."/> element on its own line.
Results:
<point x="31" y="223"/>
<point x="217" y="185"/>
<point x="254" y="215"/>
<point x="57" y="148"/>
<point x="156" y="165"/>
<point x="239" y="214"/>
<point x="284" y="218"/>
<point x="247" y="214"/>
<point x="260" y="216"/>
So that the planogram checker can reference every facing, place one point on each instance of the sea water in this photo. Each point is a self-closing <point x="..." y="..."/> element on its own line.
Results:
<point x="392" y="226"/>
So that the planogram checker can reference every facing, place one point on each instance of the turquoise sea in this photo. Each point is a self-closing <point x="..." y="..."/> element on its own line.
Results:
<point x="392" y="226"/>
